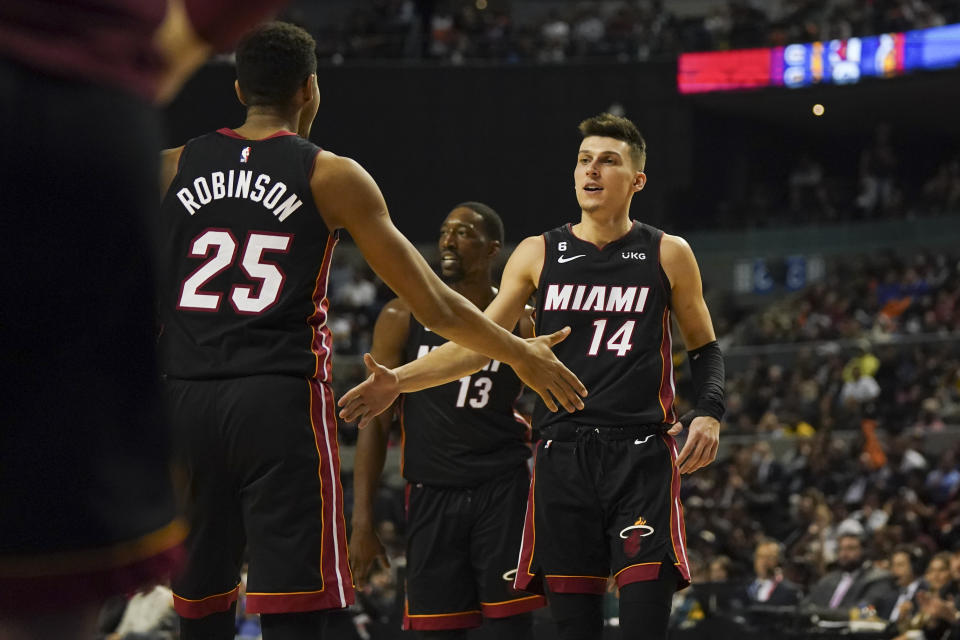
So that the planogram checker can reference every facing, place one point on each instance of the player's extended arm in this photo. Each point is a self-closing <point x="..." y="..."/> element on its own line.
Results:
<point x="706" y="361"/>
<point x="348" y="197"/>
<point x="193" y="29"/>
<point x="389" y="337"/>
<point x="451" y="361"/>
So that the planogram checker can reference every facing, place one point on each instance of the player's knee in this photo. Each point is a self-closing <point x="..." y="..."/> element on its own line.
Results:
<point x="216" y="626"/>
<point x="518" y="627"/>
<point x="293" y="626"/>
<point x="645" y="606"/>
<point x="578" y="616"/>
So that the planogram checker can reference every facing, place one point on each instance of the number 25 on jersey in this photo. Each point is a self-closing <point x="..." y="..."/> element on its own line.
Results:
<point x="245" y="299"/>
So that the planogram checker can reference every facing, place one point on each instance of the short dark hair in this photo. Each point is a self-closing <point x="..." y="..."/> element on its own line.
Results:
<point x="273" y="60"/>
<point x="611" y="126"/>
<point x="492" y="224"/>
<point x="916" y="556"/>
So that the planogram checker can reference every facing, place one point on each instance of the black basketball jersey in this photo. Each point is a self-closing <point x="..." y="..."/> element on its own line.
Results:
<point x="616" y="301"/>
<point x="245" y="260"/>
<point x="463" y="433"/>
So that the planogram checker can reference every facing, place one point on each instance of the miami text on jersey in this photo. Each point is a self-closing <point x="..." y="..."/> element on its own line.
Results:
<point x="595" y="298"/>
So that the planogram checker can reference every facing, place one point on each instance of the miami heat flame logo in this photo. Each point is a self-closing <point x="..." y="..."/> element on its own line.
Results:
<point x="633" y="536"/>
<point x="510" y="576"/>
<point x="244" y="154"/>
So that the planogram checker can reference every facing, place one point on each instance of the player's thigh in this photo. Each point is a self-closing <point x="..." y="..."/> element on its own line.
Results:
<point x="209" y="494"/>
<point x="568" y="536"/>
<point x="441" y="589"/>
<point x="645" y="517"/>
<point x="282" y="443"/>
<point x="495" y="541"/>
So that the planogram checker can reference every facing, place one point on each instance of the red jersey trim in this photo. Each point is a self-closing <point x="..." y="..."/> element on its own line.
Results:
<point x="638" y="573"/>
<point x="230" y="133"/>
<point x="633" y="224"/>
<point x="337" y="587"/>
<point x="321" y="341"/>
<point x="666" y="392"/>
<point x="512" y="607"/>
<point x="295" y="602"/>
<point x="526" y="579"/>
<point x="577" y="584"/>
<point x="440" y="621"/>
<point x="678" y="529"/>
<point x="203" y="607"/>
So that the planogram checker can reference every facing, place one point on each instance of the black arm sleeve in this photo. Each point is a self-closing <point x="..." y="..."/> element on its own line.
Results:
<point x="706" y="364"/>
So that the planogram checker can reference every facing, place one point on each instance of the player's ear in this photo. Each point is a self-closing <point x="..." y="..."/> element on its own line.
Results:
<point x="639" y="180"/>
<point x="236" y="87"/>
<point x="306" y="90"/>
<point x="494" y="249"/>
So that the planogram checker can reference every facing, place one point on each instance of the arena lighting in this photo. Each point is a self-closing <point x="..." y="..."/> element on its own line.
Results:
<point x="830" y="62"/>
<point x="818" y="109"/>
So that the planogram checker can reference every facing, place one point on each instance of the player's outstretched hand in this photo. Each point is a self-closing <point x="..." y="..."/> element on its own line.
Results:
<point x="700" y="449"/>
<point x="365" y="549"/>
<point x="541" y="371"/>
<point x="371" y="397"/>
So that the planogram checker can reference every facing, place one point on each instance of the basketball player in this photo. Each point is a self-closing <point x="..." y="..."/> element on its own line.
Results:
<point x="87" y="510"/>
<point x="464" y="458"/>
<point x="604" y="498"/>
<point x="250" y="221"/>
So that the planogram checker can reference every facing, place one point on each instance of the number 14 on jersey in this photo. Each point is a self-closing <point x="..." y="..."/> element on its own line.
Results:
<point x="620" y="341"/>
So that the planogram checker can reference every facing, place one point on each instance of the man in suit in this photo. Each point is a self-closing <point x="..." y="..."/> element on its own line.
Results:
<point x="854" y="582"/>
<point x="769" y="586"/>
<point x="906" y="564"/>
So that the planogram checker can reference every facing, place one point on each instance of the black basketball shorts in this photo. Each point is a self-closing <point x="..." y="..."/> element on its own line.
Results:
<point x="259" y="468"/>
<point x="602" y="502"/>
<point x="462" y="546"/>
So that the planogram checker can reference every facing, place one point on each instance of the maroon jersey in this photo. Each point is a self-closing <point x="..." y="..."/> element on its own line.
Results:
<point x="110" y="42"/>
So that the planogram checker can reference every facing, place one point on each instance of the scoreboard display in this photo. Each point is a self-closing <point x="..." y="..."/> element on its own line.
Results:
<point x="833" y="61"/>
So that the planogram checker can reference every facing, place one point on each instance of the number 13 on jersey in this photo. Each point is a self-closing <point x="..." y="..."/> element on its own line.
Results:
<point x="481" y="386"/>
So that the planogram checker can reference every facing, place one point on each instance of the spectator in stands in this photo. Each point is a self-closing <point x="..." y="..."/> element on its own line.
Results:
<point x="146" y="615"/>
<point x="862" y="359"/>
<point x="807" y="189"/>
<point x="941" y="193"/>
<point x="860" y="389"/>
<point x="938" y="614"/>
<point x="906" y="564"/>
<point x="943" y="483"/>
<point x="686" y="610"/>
<point x="955" y="566"/>
<point x="720" y="569"/>
<point x="878" y="166"/>
<point x="769" y="585"/>
<point x="854" y="583"/>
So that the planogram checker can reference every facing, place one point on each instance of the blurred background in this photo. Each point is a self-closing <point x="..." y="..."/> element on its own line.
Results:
<point x="809" y="151"/>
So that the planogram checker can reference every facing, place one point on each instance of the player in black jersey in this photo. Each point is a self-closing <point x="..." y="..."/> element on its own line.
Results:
<point x="604" y="498"/>
<point x="464" y="459"/>
<point x="249" y="223"/>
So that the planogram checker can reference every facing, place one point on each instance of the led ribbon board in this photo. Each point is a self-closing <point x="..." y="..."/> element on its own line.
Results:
<point x="834" y="61"/>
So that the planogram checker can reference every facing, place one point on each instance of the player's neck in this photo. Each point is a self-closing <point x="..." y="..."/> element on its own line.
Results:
<point x="262" y="123"/>
<point x="603" y="228"/>
<point x="478" y="289"/>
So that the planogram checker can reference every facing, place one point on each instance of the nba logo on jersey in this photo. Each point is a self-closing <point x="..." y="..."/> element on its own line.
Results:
<point x="244" y="154"/>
